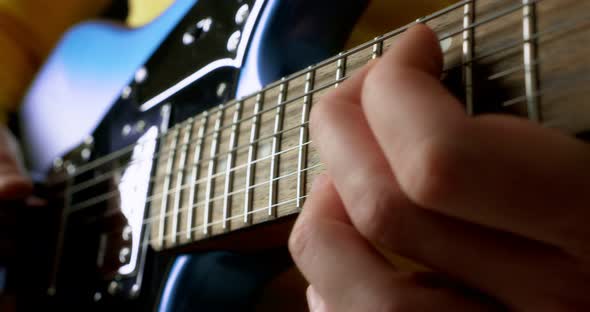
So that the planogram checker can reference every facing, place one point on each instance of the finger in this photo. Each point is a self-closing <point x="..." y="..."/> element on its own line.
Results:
<point x="349" y="275"/>
<point x="13" y="183"/>
<point x="334" y="257"/>
<point x="383" y="214"/>
<point x="353" y="158"/>
<point x="487" y="170"/>
<point x="497" y="263"/>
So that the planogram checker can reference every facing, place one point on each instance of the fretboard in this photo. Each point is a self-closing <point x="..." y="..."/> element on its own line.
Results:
<point x="251" y="160"/>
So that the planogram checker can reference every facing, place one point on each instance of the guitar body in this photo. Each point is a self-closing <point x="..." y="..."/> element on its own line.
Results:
<point x="96" y="95"/>
<point x="167" y="194"/>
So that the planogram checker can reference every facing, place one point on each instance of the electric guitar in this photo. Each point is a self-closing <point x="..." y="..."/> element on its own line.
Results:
<point x="207" y="147"/>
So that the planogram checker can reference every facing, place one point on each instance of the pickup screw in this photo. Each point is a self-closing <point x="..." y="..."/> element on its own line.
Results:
<point x="221" y="88"/>
<point x="113" y="287"/>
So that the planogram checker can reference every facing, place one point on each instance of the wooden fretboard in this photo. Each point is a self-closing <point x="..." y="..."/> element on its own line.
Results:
<point x="251" y="160"/>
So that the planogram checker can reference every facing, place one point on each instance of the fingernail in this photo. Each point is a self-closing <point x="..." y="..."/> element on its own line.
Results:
<point x="319" y="182"/>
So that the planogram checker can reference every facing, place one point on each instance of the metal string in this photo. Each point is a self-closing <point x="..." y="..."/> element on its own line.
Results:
<point x="103" y="160"/>
<point x="155" y="218"/>
<point x="91" y="182"/>
<point x="106" y="196"/>
<point x="151" y="220"/>
<point x="86" y="184"/>
<point x="254" y="211"/>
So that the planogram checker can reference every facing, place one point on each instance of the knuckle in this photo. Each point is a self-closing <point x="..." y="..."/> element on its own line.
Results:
<point x="300" y="238"/>
<point x="376" y="218"/>
<point x="431" y="172"/>
<point x="402" y="299"/>
<point x="321" y="112"/>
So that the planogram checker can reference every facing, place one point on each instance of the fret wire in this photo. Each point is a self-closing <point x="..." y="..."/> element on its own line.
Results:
<point x="518" y="43"/>
<point x="500" y="14"/>
<point x="513" y="101"/>
<point x="326" y="62"/>
<point x="252" y="152"/>
<point x="103" y="160"/>
<point x="242" y="190"/>
<point x="188" y="129"/>
<point x="304" y="137"/>
<point x="229" y="173"/>
<point x="481" y="22"/>
<point x="489" y="19"/>
<point x="276" y="147"/>
<point x="249" y="213"/>
<point x="234" y="169"/>
<point x="196" y="171"/>
<point x="261" y="184"/>
<point x="377" y="48"/>
<point x="566" y="26"/>
<point x="476" y="58"/>
<point x="529" y="25"/>
<point x="207" y="213"/>
<point x="108" y="195"/>
<point x="468" y="49"/>
<point x="340" y="68"/>
<point x="535" y="95"/>
<point x="166" y="185"/>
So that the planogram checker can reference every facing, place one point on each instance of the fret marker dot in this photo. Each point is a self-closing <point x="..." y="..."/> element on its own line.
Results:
<point x="446" y="44"/>
<point x="221" y="164"/>
<point x="264" y="150"/>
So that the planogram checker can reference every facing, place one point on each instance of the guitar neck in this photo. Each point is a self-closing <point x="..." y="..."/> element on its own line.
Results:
<point x="251" y="160"/>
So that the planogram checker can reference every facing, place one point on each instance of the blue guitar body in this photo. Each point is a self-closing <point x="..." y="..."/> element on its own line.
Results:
<point x="105" y="86"/>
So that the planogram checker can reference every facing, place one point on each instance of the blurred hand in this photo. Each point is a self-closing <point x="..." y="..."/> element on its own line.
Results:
<point x="494" y="205"/>
<point x="14" y="184"/>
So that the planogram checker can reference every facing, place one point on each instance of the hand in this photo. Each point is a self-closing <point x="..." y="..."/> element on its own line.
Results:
<point x="14" y="187"/>
<point x="13" y="183"/>
<point x="496" y="204"/>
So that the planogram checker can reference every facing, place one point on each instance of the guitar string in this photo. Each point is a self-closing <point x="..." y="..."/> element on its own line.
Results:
<point x="236" y="216"/>
<point x="149" y="240"/>
<point x="165" y="239"/>
<point x="253" y="212"/>
<point x="87" y="184"/>
<point x="152" y="219"/>
<point x="167" y="215"/>
<point x="156" y="218"/>
<point x="203" y="203"/>
<point x="516" y="44"/>
<point x="155" y="178"/>
<point x="94" y="181"/>
<point x="109" y="195"/>
<point x="105" y="159"/>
